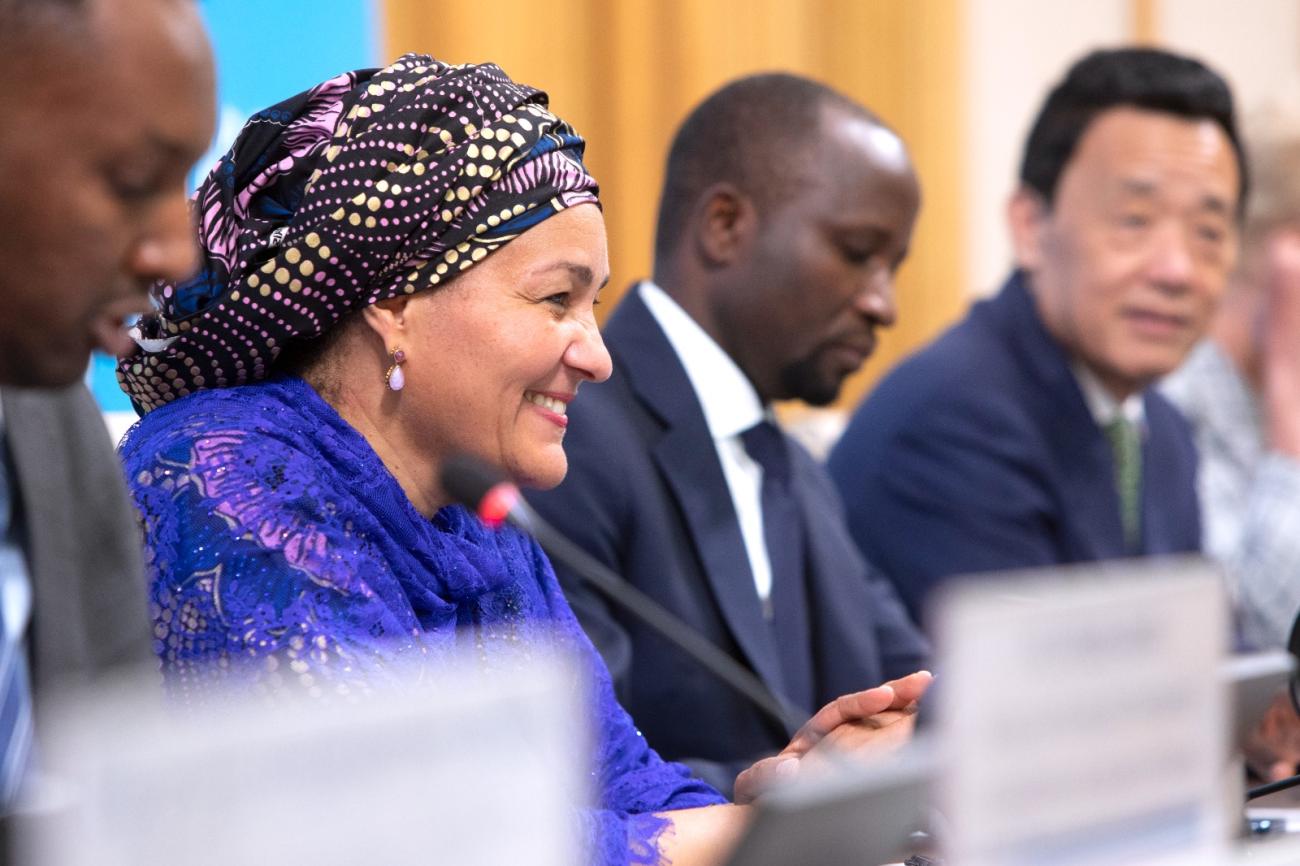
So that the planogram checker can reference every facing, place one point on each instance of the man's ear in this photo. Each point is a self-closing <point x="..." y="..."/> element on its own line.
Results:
<point x="388" y="319"/>
<point x="724" y="222"/>
<point x="1027" y="217"/>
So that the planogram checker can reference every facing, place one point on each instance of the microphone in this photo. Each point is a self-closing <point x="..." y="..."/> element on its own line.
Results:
<point x="496" y="500"/>
<point x="1272" y="787"/>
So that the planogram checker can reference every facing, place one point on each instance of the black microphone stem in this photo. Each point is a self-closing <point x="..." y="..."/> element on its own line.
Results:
<point x="647" y="610"/>
<point x="485" y="490"/>
<point x="1272" y="787"/>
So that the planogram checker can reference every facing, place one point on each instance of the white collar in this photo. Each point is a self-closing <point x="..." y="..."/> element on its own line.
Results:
<point x="730" y="403"/>
<point x="1102" y="404"/>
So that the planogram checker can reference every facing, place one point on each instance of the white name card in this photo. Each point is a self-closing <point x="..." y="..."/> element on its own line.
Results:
<point x="467" y="767"/>
<point x="1084" y="715"/>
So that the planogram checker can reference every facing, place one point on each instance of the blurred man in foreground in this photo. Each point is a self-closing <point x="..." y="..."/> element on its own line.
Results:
<point x="786" y="210"/>
<point x="1028" y="435"/>
<point x="107" y="104"/>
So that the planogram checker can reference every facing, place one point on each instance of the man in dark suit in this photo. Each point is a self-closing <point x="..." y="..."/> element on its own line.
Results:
<point x="785" y="212"/>
<point x="106" y="105"/>
<point x="1028" y="434"/>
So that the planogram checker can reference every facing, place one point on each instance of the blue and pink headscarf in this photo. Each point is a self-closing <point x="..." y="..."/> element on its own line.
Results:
<point x="373" y="184"/>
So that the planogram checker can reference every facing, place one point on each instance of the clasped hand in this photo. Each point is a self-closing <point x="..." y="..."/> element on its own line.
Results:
<point x="864" y="723"/>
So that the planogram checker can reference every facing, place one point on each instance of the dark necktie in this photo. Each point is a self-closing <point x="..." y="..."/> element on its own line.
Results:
<point x="15" y="692"/>
<point x="1126" y="445"/>
<point x="783" y="533"/>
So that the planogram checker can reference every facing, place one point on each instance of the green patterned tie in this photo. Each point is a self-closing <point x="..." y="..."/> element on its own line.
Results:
<point x="1126" y="445"/>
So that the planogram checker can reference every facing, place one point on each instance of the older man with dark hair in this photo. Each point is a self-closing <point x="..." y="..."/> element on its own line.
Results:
<point x="786" y="210"/>
<point x="107" y="103"/>
<point x="1028" y="434"/>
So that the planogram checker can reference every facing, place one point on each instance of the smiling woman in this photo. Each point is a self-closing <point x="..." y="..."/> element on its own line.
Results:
<point x="398" y="265"/>
<point x="524" y="337"/>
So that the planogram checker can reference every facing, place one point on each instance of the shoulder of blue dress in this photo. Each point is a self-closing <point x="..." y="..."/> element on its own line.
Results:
<point x="461" y="521"/>
<point x="282" y="412"/>
<point x="509" y="541"/>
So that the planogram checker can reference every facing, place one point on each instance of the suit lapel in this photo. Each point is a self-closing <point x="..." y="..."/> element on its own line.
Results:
<point x="827" y="552"/>
<point x="42" y="486"/>
<point x="89" y="612"/>
<point x="1079" y="448"/>
<point x="843" y="615"/>
<point x="689" y="463"/>
<point x="1153" y="501"/>
<point x="1166" y="527"/>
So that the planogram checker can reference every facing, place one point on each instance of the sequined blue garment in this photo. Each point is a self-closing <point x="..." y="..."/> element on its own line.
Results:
<point x="280" y="548"/>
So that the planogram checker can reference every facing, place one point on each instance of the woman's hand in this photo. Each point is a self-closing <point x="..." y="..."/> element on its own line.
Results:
<point x="864" y="723"/>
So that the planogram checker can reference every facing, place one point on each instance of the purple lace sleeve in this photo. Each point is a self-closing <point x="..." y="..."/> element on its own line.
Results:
<point x="278" y="546"/>
<point x="636" y="784"/>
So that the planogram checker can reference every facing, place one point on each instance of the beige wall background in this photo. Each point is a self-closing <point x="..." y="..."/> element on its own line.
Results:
<point x="959" y="80"/>
<point x="1008" y="70"/>
<point x="1254" y="43"/>
<point x="626" y="72"/>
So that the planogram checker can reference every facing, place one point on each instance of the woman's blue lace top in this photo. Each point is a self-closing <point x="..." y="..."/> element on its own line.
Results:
<point x="280" y="548"/>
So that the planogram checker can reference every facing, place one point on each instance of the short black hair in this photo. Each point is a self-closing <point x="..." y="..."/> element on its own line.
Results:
<point x="752" y="133"/>
<point x="1145" y="78"/>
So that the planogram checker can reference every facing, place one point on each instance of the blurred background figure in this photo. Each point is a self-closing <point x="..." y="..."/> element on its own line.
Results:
<point x="1240" y="388"/>
<point x="1028" y="434"/>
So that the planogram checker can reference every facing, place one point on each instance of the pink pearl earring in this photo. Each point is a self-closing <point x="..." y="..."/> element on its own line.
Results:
<point x="395" y="378"/>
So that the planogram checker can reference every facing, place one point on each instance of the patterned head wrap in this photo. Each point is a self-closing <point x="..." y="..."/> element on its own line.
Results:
<point x="373" y="184"/>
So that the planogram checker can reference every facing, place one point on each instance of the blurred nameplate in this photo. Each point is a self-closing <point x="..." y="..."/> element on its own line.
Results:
<point x="1084" y="715"/>
<point x="1281" y="851"/>
<point x="465" y="767"/>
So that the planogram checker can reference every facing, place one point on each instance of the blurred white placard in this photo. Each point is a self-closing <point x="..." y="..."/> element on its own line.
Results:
<point x="1084" y="715"/>
<point x="466" y="768"/>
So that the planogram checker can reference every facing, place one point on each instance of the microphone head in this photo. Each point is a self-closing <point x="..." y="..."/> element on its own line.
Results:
<point x="482" y="488"/>
<point x="468" y="479"/>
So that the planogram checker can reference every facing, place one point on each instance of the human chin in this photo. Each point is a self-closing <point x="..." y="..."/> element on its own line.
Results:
<point x="1129" y="367"/>
<point x="1153" y="364"/>
<point x="48" y="366"/>
<point x="810" y="380"/>
<point x="540" y="469"/>
<point x="1150" y="358"/>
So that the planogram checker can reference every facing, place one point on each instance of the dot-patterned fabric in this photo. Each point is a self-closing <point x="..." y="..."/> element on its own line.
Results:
<point x="373" y="184"/>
